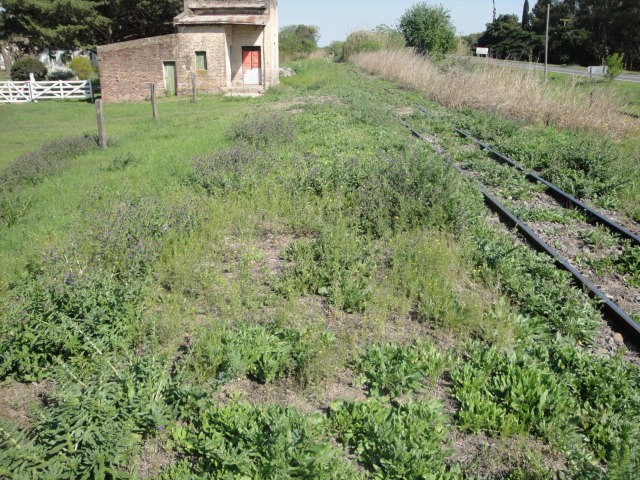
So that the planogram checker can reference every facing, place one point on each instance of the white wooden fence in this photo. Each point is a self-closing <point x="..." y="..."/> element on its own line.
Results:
<point x="21" y="92"/>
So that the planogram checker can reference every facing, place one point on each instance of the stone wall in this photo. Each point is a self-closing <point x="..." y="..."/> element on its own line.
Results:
<point x="209" y="39"/>
<point x="127" y="69"/>
<point x="271" y="46"/>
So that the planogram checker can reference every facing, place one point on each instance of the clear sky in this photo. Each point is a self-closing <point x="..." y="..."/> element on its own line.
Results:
<point x="337" y="18"/>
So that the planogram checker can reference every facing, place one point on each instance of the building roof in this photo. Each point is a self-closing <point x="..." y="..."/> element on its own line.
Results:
<point x="222" y="12"/>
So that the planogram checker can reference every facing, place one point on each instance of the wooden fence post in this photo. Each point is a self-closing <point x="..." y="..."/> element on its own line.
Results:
<point x="102" y="133"/>
<point x="193" y="88"/>
<point x="154" y="103"/>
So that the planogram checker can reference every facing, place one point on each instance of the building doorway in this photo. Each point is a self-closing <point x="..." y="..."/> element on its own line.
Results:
<point x="170" y="79"/>
<point x="252" y="65"/>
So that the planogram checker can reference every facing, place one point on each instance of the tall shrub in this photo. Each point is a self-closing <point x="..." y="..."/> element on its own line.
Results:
<point x="615" y="64"/>
<point x="22" y="68"/>
<point x="298" y="41"/>
<point x="60" y="73"/>
<point x="429" y="30"/>
<point x="380" y="38"/>
<point x="82" y="67"/>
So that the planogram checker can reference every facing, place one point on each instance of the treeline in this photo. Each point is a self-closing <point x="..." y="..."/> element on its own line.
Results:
<point x="383" y="37"/>
<point x="584" y="32"/>
<point x="30" y="26"/>
<point x="301" y="41"/>
<point x="426" y="28"/>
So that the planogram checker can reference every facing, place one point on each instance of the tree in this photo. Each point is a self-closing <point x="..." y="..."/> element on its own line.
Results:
<point x="612" y="27"/>
<point x="526" y="16"/>
<point x="382" y="37"/>
<point x="297" y="41"/>
<point x="471" y="42"/>
<point x="35" y="25"/>
<point x="506" y="39"/>
<point x="568" y="42"/>
<point x="429" y="30"/>
<point x="625" y="34"/>
<point x="7" y="47"/>
<point x="132" y="19"/>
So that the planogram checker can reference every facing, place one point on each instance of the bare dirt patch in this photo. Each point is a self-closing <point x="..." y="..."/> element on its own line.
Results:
<point x="18" y="399"/>
<point x="296" y="105"/>
<point x="273" y="244"/>
<point x="264" y="253"/>
<point x="154" y="458"/>
<point x="622" y="220"/>
<point x="405" y="111"/>
<point x="488" y="457"/>
<point x="287" y="393"/>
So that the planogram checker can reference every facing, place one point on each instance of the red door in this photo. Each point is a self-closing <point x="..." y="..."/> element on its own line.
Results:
<point x="251" y="65"/>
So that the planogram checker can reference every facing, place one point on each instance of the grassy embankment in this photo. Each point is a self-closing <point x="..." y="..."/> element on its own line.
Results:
<point x="285" y="287"/>
<point x="628" y="93"/>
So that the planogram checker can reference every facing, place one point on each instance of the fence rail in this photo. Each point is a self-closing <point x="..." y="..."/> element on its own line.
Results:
<point x="22" y="92"/>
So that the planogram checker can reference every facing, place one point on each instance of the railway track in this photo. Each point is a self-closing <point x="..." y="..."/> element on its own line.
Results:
<point x="513" y="192"/>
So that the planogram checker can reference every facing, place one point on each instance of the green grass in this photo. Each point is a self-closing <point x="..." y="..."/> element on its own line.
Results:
<point x="60" y="202"/>
<point x="225" y="286"/>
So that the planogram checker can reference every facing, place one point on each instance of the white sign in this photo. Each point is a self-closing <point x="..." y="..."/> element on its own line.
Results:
<point x="598" y="70"/>
<point x="482" y="51"/>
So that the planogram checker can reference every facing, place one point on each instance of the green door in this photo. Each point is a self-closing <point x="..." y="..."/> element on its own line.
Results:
<point x="170" y="80"/>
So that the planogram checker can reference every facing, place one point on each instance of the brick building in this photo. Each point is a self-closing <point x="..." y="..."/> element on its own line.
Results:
<point x="230" y="45"/>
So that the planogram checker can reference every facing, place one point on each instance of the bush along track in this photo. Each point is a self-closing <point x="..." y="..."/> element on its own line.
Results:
<point x="325" y="298"/>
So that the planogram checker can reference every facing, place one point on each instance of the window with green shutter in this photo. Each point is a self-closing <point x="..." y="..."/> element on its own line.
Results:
<point x="201" y="60"/>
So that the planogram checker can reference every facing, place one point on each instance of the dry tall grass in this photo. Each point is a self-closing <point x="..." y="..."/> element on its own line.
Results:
<point x="516" y="94"/>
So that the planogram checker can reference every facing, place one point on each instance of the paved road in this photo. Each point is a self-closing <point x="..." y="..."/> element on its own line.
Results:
<point x="579" y="71"/>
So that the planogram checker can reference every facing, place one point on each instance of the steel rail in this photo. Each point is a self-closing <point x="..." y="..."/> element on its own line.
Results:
<point x="623" y="319"/>
<point x="610" y="308"/>
<point x="557" y="193"/>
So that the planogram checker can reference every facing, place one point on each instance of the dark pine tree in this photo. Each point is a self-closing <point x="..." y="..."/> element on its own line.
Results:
<point x="526" y="16"/>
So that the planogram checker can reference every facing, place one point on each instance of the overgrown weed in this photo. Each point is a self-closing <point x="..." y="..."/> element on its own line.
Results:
<point x="258" y="442"/>
<point x="394" y="369"/>
<point x="53" y="156"/>
<point x="501" y="90"/>
<point x="408" y="441"/>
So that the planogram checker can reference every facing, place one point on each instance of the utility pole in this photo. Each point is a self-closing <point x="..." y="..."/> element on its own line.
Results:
<point x="546" y="45"/>
<point x="494" y="10"/>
